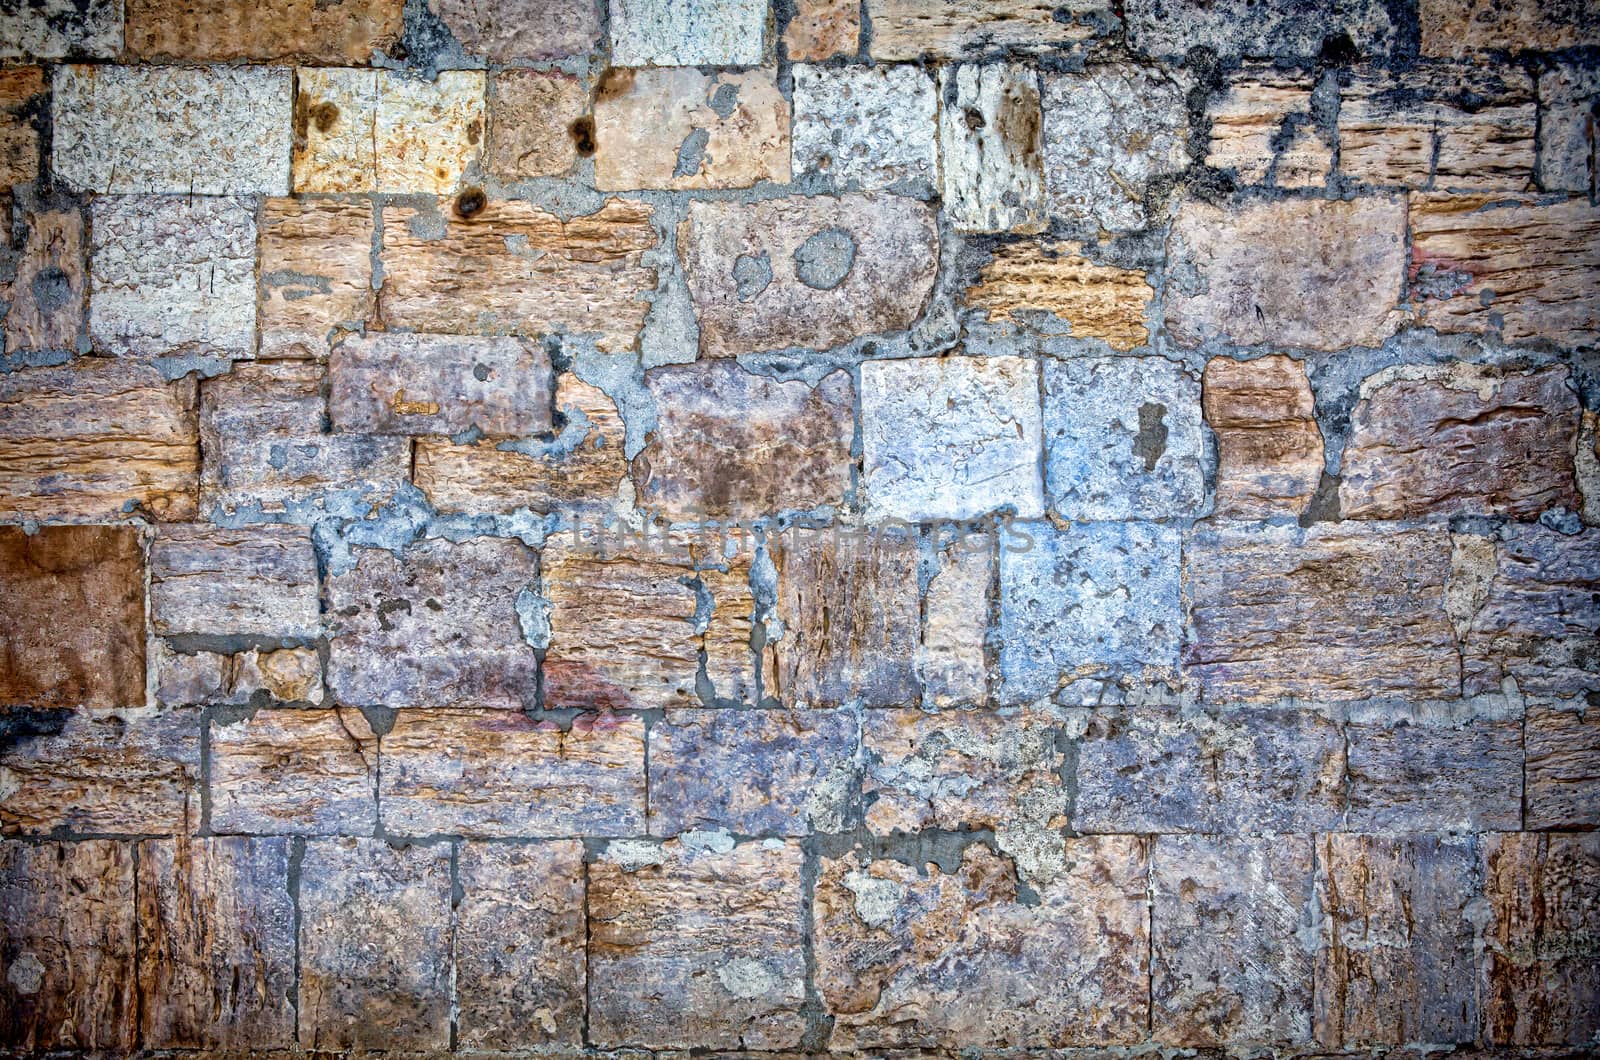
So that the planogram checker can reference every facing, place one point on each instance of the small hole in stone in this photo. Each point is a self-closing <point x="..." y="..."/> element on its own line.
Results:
<point x="583" y="136"/>
<point x="471" y="202"/>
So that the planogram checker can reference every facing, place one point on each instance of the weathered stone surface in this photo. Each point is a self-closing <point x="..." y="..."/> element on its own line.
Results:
<point x="67" y="915"/>
<point x="216" y="941"/>
<point x="1295" y="272"/>
<point x="513" y="269"/>
<point x="519" y="30"/>
<point x="951" y="660"/>
<point x="1230" y="963"/>
<point x="1569" y="152"/>
<point x="183" y="679"/>
<point x="865" y="126"/>
<point x="1269" y="446"/>
<point x="96" y="440"/>
<point x="289" y="675"/>
<point x="1263" y="130"/>
<point x="294" y="772"/>
<point x="989" y="140"/>
<point x="701" y="33"/>
<point x="1123" y="439"/>
<point x="375" y="946"/>
<point x="728" y="442"/>
<point x="340" y="32"/>
<point x="953" y="29"/>
<point x="821" y="29"/>
<point x="696" y="944"/>
<point x="819" y="270"/>
<point x="49" y="295"/>
<point x="173" y="277"/>
<point x="1435" y="774"/>
<point x="141" y="129"/>
<point x="1510" y="264"/>
<point x="495" y="773"/>
<point x="1455" y="29"/>
<point x="22" y="89"/>
<point x="1278" y="29"/>
<point x="1397" y="954"/>
<point x="72" y="630"/>
<point x="519" y="945"/>
<point x="1562" y="743"/>
<point x="372" y="130"/>
<point x="934" y="956"/>
<point x="1542" y="970"/>
<point x="1251" y="770"/>
<point x="392" y="383"/>
<point x="105" y="771"/>
<point x="61" y="29"/>
<point x="1109" y="133"/>
<point x="1461" y="439"/>
<point x="1333" y="613"/>
<point x="683" y="128"/>
<point x="259" y="580"/>
<point x="316" y="273"/>
<point x="1094" y="599"/>
<point x="1099" y="301"/>
<point x="533" y="123"/>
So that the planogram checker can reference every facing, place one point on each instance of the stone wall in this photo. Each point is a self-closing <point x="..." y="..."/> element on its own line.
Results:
<point x="877" y="528"/>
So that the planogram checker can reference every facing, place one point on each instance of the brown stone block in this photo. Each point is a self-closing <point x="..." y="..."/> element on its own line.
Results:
<point x="309" y="31"/>
<point x="1100" y="301"/>
<point x="294" y="772"/>
<point x="1562" y="743"/>
<point x="49" y="293"/>
<point x="821" y="29"/>
<point x="315" y="273"/>
<point x="909" y="29"/>
<point x="510" y="31"/>
<point x="1458" y="28"/>
<point x="536" y="124"/>
<point x="21" y="89"/>
<point x="1426" y="773"/>
<point x="258" y="581"/>
<point x="956" y="605"/>
<point x="1269" y="447"/>
<point x="1262" y="130"/>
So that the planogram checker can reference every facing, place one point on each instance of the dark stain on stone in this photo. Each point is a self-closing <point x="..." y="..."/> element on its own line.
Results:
<point x="751" y="274"/>
<point x="616" y="81"/>
<point x="583" y="136"/>
<point x="52" y="289"/>
<point x="481" y="372"/>
<point x="1324" y="504"/>
<point x="1152" y="439"/>
<point x="823" y="261"/>
<point x="471" y="202"/>
<point x="725" y="100"/>
<point x="21" y="724"/>
<point x="474" y="130"/>
<point x="325" y="116"/>
<point x="389" y="607"/>
<point x="691" y="154"/>
<point x="974" y="119"/>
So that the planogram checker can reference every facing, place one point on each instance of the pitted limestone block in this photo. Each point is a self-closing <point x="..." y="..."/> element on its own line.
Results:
<point x="1269" y="446"/>
<point x="173" y="276"/>
<point x="697" y="943"/>
<point x="1295" y="272"/>
<point x="951" y="660"/>
<point x="955" y="29"/>
<point x="288" y="675"/>
<point x="1232" y="960"/>
<point x="333" y="33"/>
<point x="1263" y="130"/>
<point x="72" y="629"/>
<point x="989" y="140"/>
<point x="821" y="29"/>
<point x="1456" y="29"/>
<point x="1110" y="134"/>
<point x="255" y="581"/>
<point x="316" y="274"/>
<point x="152" y="129"/>
<point x="1249" y="770"/>
<point x="48" y="296"/>
<point x="184" y="679"/>
<point x="864" y="126"/>
<point x="67" y="947"/>
<point x="1426" y="773"/>
<point x="951" y="957"/>
<point x="1123" y="439"/>
<point x="22" y="88"/>
<point x="216" y="940"/>
<point x="294" y="772"/>
<point x="1093" y="599"/>
<point x="534" y="128"/>
<point x="61" y="29"/>
<point x="1101" y="302"/>
<point x="689" y="32"/>
<point x="1569" y="152"/>
<point x="375" y="929"/>
<point x="1277" y="29"/>
<point x="1562" y="742"/>
<point x="807" y="271"/>
<point x="513" y="31"/>
<point x="950" y="438"/>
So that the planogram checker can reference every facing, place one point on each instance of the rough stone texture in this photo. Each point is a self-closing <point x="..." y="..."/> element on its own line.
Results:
<point x="521" y="30"/>
<point x="1515" y="265"/>
<point x="1562" y="744"/>
<point x="49" y="296"/>
<point x="21" y="89"/>
<point x="315" y="274"/>
<point x="61" y="29"/>
<point x="888" y="269"/>
<point x="703" y="33"/>
<point x="533" y="116"/>
<point x="696" y="943"/>
<point x="375" y="930"/>
<point x="1123" y="439"/>
<point x="821" y="29"/>
<point x="953" y="29"/>
<point x="1461" y="440"/>
<point x="294" y="772"/>
<point x="1023" y="281"/>
<point x="989" y="139"/>
<point x="942" y="955"/>
<point x="1426" y="774"/>
<point x="336" y="33"/>
<point x="1458" y="28"/>
<point x="514" y="269"/>
<point x="1569" y="152"/>
<point x="1296" y="272"/>
<point x="1269" y="446"/>
<point x="1263" y="130"/>
<point x="1276" y="29"/>
<point x="261" y="581"/>
<point x="951" y="661"/>
<point x="728" y="442"/>
<point x="213" y="131"/>
<point x="868" y="127"/>
<point x="289" y="675"/>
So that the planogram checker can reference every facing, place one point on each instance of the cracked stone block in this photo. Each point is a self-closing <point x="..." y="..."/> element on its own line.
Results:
<point x="1269" y="445"/>
<point x="1251" y="770"/>
<point x="22" y="89"/>
<point x="1456" y="29"/>
<point x="821" y="29"/>
<point x="1229" y="927"/>
<point x="496" y="773"/>
<point x="216" y="940"/>
<point x="67" y="945"/>
<point x="1569" y="152"/>
<point x="121" y="130"/>
<point x="512" y="31"/>
<point x="989" y="139"/>
<point x="1562" y="743"/>
<point x="1458" y="439"/>
<point x="752" y="772"/>
<point x="1275" y="29"/>
<point x="72" y="630"/>
<point x="49" y="294"/>
<point x="534" y="123"/>
<point x="107" y="771"/>
<point x="513" y="269"/>
<point x="696" y="944"/>
<point x="61" y="29"/>
<point x="1023" y="282"/>
<point x="811" y="271"/>
<point x="955" y="29"/>
<point x="259" y="581"/>
<point x="438" y="625"/>
<point x="950" y="438"/>
<point x="173" y="277"/>
<point x="731" y="443"/>
<point x="308" y="31"/>
<point x="294" y="772"/>
<point x="1123" y="439"/>
<point x="375" y="931"/>
<point x="688" y="32"/>
<point x="1264" y="130"/>
<point x="1294" y="272"/>
<point x="1111" y="133"/>
<point x="1397" y="940"/>
<point x="1508" y="264"/>
<point x="316" y="274"/>
<point x="952" y="662"/>
<point x="866" y="127"/>
<point x="1434" y="774"/>
<point x="519" y="945"/>
<point x="949" y="954"/>
<point x="1094" y="599"/>
<point x="683" y="128"/>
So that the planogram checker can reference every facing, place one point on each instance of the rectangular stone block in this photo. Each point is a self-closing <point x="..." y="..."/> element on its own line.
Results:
<point x="288" y="675"/>
<point x="952" y="660"/>
<point x="1457" y="29"/>
<point x="1562" y="742"/>
<point x="342" y="32"/>
<point x="61" y="29"/>
<point x="316" y="274"/>
<point x="866" y="127"/>
<point x="150" y="129"/>
<point x="692" y="33"/>
<point x="954" y="29"/>
<point x="1263" y="130"/>
<point x="22" y="89"/>
<point x="990" y="147"/>
<point x="821" y="29"/>
<point x="537" y="123"/>
<point x="522" y="30"/>
<point x="1435" y="773"/>
<point x="49" y="293"/>
<point x="395" y="383"/>
<point x="1023" y="282"/>
<point x="259" y="581"/>
<point x="294" y="772"/>
<point x="1569" y="153"/>
<point x="1269" y="445"/>
<point x="497" y="773"/>
<point x="1279" y="29"/>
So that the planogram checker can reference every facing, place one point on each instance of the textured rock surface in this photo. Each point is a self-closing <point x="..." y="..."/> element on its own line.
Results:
<point x="315" y="261"/>
<point x="1569" y="156"/>
<point x="260" y="581"/>
<point x="294" y="772"/>
<point x="1099" y="301"/>
<point x="989" y="141"/>
<point x="1269" y="446"/>
<point x="21" y="89"/>
<point x="1263" y="130"/>
<point x="524" y="29"/>
<point x="952" y="661"/>
<point x="60" y="29"/>
<point x="910" y="29"/>
<point x="1458" y="28"/>
<point x="1287" y="29"/>
<point x="821" y="29"/>
<point x="533" y="116"/>
<point x="1562" y="741"/>
<point x="869" y="127"/>
<point x="344" y="31"/>
<point x="1434" y="775"/>
<point x="49" y="295"/>
<point x="703" y="33"/>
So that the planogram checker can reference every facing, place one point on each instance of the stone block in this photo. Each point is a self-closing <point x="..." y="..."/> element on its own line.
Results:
<point x="294" y="772"/>
<point x="821" y="29"/>
<point x="1269" y="445"/>
<point x="49" y="294"/>
<point x="61" y="29"/>
<point x="1025" y="281"/>
<point x="522" y="30"/>
<point x="22" y="89"/>
<point x="534" y="123"/>
<point x="1457" y="29"/>
<point x="259" y="581"/>
<point x="1264" y="131"/>
<point x="316" y="274"/>
<point x="941" y="29"/>
<point x="1457" y="774"/>
<point x="952" y="661"/>
<point x="866" y="126"/>
<point x="288" y="675"/>
<point x="1278" y="29"/>
<point x="1562" y="742"/>
<point x="344" y="32"/>
<point x="989" y="140"/>
<point x="1569" y="154"/>
<point x="688" y="32"/>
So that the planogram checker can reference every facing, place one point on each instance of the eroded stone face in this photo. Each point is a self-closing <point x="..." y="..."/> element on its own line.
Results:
<point x="523" y="30"/>
<point x="1025" y="280"/>
<point x="341" y="32"/>
<point x="49" y="294"/>
<point x="61" y="29"/>
<point x="20" y="86"/>
<point x="952" y="661"/>
<point x="1435" y="774"/>
<point x="1459" y="28"/>
<point x="315" y="273"/>
<point x="693" y="33"/>
<point x="534" y="126"/>
<point x="1269" y="445"/>
<point x="1569" y="156"/>
<point x="1263" y="130"/>
<point x="1286" y="29"/>
<point x="821" y="29"/>
<point x="1562" y="744"/>
<point x="870" y="127"/>
<point x="294" y="772"/>
<point x="989" y="140"/>
<point x="910" y="29"/>
<point x="259" y="581"/>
